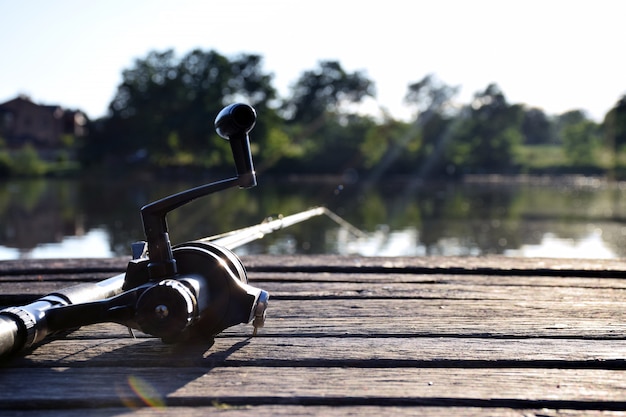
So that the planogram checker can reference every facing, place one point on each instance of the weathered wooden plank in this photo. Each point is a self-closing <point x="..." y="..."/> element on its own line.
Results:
<point x="428" y="317"/>
<point x="55" y="281"/>
<point x="117" y="386"/>
<point x="376" y="327"/>
<point x="442" y="278"/>
<point x="66" y="278"/>
<point x="438" y="290"/>
<point x="467" y="318"/>
<point x="485" y="327"/>
<point x="452" y="290"/>
<point x="530" y="311"/>
<point x="488" y="265"/>
<point x="439" y="287"/>
<point x="338" y="263"/>
<point x="224" y="409"/>
<point x="331" y="351"/>
<point x="431" y="317"/>
<point x="62" y="266"/>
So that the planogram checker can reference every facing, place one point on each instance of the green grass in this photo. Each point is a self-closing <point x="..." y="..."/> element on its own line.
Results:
<point x="541" y="157"/>
<point x="552" y="157"/>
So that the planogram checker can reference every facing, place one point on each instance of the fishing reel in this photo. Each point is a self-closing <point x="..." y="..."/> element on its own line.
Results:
<point x="208" y="293"/>
<point x="197" y="288"/>
<point x="194" y="290"/>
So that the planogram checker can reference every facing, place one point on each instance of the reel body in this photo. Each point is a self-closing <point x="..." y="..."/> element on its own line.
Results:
<point x="209" y="293"/>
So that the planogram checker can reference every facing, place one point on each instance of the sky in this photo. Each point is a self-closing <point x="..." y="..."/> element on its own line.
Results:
<point x="557" y="55"/>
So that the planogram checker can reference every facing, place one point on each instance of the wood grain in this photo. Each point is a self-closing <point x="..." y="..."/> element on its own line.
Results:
<point x="348" y="336"/>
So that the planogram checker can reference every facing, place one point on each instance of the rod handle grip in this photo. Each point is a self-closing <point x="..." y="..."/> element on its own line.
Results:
<point x="11" y="339"/>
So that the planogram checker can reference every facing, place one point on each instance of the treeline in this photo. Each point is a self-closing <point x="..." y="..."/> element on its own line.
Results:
<point x="162" y="114"/>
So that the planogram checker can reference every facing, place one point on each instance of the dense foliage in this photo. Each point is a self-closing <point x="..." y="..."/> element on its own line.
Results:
<point x="162" y="114"/>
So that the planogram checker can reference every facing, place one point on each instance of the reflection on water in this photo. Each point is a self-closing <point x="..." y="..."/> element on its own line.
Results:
<point x="93" y="244"/>
<point x="591" y="246"/>
<point x="71" y="218"/>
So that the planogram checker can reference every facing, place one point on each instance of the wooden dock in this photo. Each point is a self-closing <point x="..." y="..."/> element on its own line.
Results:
<point x="348" y="336"/>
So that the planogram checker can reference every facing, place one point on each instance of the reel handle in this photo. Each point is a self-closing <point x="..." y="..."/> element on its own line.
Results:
<point x="234" y="122"/>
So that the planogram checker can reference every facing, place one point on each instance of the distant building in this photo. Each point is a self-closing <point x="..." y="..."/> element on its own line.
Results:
<point x="43" y="126"/>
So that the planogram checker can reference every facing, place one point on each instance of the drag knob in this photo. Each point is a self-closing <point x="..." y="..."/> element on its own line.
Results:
<point x="166" y="310"/>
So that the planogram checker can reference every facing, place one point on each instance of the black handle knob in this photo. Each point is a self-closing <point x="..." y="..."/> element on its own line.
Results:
<point x="233" y="123"/>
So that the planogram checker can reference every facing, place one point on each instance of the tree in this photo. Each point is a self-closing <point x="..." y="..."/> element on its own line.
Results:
<point x="385" y="143"/>
<point x="166" y="107"/>
<point x="580" y="141"/>
<point x="488" y="133"/>
<point x="338" y="145"/>
<point x="320" y="122"/>
<point x="614" y="125"/>
<point x="325" y="89"/>
<point x="26" y="162"/>
<point x="562" y="121"/>
<point x="579" y="136"/>
<point x="430" y="96"/>
<point x="536" y="127"/>
<point x="435" y="111"/>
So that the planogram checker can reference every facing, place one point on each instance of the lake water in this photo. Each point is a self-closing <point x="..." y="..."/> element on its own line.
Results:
<point x="573" y="218"/>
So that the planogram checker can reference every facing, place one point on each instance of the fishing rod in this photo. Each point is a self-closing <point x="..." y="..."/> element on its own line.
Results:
<point x="193" y="290"/>
<point x="240" y="237"/>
